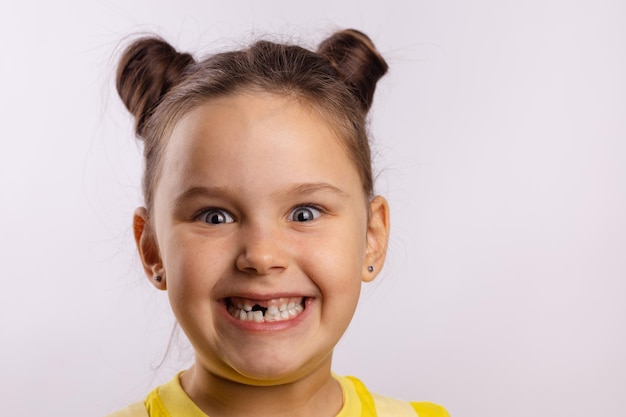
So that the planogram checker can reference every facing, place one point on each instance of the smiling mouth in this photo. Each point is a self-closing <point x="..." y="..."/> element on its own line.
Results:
<point x="278" y="309"/>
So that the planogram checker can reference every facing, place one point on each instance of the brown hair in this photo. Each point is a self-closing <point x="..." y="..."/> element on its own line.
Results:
<point x="158" y="85"/>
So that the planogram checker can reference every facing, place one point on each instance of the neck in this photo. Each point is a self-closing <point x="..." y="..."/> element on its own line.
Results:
<point x="317" y="394"/>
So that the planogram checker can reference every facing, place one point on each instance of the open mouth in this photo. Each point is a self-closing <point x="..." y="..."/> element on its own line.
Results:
<point x="260" y="311"/>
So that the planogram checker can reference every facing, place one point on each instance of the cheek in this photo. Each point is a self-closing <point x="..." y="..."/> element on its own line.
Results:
<point x="191" y="265"/>
<point x="193" y="269"/>
<point x="338" y="260"/>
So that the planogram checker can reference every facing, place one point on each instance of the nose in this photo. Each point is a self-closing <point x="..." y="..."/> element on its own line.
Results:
<point x="263" y="251"/>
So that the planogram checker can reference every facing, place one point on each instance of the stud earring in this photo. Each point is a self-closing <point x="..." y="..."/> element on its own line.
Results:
<point x="158" y="278"/>
<point x="370" y="268"/>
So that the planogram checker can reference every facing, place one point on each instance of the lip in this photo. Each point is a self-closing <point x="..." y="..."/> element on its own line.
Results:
<point x="272" y="326"/>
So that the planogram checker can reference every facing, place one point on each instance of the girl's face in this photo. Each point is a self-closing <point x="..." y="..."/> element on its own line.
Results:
<point x="260" y="227"/>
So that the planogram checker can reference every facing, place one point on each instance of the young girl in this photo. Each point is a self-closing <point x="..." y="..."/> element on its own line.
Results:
<point x="260" y="221"/>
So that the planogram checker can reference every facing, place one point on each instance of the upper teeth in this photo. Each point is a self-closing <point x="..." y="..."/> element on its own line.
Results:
<point x="283" y="311"/>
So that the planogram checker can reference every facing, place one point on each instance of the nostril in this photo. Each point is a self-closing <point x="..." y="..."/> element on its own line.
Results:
<point x="262" y="260"/>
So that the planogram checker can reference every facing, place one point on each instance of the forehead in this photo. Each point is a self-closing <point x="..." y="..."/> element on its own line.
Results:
<point x="249" y="137"/>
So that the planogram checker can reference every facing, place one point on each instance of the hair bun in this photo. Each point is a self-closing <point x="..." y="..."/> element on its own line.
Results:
<point x="358" y="62"/>
<point x="148" y="68"/>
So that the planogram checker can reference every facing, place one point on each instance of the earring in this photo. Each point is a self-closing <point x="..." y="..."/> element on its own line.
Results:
<point x="158" y="278"/>
<point x="370" y="268"/>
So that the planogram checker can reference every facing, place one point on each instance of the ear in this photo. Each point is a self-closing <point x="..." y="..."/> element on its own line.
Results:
<point x="377" y="238"/>
<point x="148" y="248"/>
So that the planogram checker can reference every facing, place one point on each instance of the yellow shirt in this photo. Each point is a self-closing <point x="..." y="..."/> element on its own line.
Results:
<point x="169" y="400"/>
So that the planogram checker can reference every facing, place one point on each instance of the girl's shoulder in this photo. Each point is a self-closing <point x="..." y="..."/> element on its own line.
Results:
<point x="388" y="407"/>
<point x="375" y="405"/>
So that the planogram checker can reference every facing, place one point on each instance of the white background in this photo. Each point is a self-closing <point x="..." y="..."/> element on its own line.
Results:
<point x="500" y="135"/>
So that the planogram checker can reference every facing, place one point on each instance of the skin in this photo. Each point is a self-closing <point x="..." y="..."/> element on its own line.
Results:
<point x="254" y="160"/>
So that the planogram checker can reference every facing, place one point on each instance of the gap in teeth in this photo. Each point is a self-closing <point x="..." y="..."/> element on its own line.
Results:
<point x="273" y="310"/>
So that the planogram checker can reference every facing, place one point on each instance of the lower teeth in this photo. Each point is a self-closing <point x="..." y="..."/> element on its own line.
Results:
<point x="272" y="313"/>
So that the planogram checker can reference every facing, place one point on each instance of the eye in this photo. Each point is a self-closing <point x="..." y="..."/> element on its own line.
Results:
<point x="304" y="214"/>
<point x="215" y="216"/>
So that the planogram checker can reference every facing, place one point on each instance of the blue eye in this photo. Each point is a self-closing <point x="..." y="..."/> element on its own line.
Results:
<point x="305" y="214"/>
<point x="216" y="216"/>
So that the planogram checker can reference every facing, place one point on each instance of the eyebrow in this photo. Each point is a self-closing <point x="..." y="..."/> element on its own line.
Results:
<point x="199" y="191"/>
<point x="310" y="188"/>
<point x="218" y="191"/>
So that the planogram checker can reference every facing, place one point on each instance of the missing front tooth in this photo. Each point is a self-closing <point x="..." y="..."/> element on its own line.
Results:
<point x="257" y="307"/>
